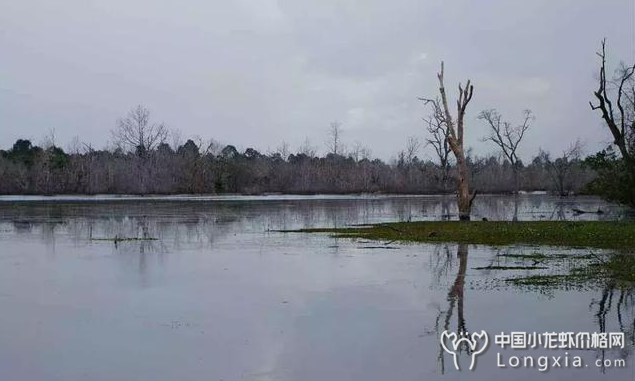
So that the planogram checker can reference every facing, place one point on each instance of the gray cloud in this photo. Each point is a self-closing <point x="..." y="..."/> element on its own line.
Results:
<point x="257" y="72"/>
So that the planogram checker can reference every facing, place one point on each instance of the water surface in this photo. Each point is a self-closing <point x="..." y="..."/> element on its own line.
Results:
<point x="218" y="294"/>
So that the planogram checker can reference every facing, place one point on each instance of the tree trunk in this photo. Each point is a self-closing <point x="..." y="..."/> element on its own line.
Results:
<point x="464" y="197"/>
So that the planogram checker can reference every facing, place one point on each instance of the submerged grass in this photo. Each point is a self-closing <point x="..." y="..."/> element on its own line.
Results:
<point x="492" y="267"/>
<point x="544" y="257"/>
<point x="593" y="234"/>
<point x="616" y="268"/>
<point x="123" y="239"/>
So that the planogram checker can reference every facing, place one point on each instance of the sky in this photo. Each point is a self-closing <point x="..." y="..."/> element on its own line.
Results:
<point x="254" y="73"/>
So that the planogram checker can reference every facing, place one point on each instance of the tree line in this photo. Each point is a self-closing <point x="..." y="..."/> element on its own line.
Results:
<point x="145" y="165"/>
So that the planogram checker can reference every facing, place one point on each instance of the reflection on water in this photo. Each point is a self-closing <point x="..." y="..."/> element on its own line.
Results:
<point x="281" y="212"/>
<point x="611" y="303"/>
<point x="455" y="301"/>
<point x="192" y="289"/>
<point x="618" y="305"/>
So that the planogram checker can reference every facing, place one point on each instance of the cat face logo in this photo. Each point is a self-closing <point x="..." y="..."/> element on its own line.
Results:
<point x="477" y="344"/>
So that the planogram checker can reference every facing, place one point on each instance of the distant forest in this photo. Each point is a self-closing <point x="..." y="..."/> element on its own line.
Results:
<point x="142" y="162"/>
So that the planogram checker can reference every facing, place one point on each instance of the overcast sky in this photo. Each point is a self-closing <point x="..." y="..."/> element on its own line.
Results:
<point x="256" y="72"/>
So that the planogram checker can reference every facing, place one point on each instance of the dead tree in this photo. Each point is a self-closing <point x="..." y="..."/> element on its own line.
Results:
<point x="438" y="138"/>
<point x="454" y="138"/>
<point x="561" y="168"/>
<point x="307" y="148"/>
<point x="621" y="127"/>
<point x="410" y="153"/>
<point x="507" y="136"/>
<point x="334" y="141"/>
<point x="359" y="151"/>
<point x="136" y="133"/>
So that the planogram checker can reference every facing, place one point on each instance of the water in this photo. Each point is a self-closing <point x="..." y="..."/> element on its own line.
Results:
<point x="220" y="295"/>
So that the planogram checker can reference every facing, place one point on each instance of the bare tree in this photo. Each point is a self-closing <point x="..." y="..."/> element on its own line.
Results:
<point x="365" y="153"/>
<point x="355" y="151"/>
<point x="75" y="145"/>
<point x="283" y="149"/>
<point x="507" y="136"/>
<point x="621" y="128"/>
<point x="211" y="147"/>
<point x="49" y="140"/>
<point x="412" y="147"/>
<point x="177" y="139"/>
<point x="307" y="148"/>
<point x="560" y="169"/>
<point x="629" y="97"/>
<point x="135" y="132"/>
<point x="359" y="151"/>
<point x="455" y="140"/>
<point x="438" y="138"/>
<point x="334" y="141"/>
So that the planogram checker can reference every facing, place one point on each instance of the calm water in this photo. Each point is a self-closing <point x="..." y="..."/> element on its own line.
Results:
<point x="219" y="295"/>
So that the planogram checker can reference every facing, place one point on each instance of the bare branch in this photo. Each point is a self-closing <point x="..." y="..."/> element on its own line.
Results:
<point x="605" y="104"/>
<point x="136" y="132"/>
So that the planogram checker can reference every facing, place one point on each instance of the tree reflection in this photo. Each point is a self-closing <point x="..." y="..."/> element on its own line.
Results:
<point x="612" y="309"/>
<point x="445" y="208"/>
<point x="455" y="299"/>
<point x="610" y="275"/>
<point x="558" y="212"/>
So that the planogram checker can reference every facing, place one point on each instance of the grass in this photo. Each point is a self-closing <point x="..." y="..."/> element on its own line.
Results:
<point x="591" y="234"/>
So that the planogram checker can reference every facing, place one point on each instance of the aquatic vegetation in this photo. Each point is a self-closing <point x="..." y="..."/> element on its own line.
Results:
<point x="124" y="239"/>
<point x="491" y="267"/>
<point x="615" y="269"/>
<point x="592" y="234"/>
<point x="582" y="271"/>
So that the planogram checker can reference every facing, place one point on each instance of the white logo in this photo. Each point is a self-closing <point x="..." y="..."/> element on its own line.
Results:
<point x="469" y="340"/>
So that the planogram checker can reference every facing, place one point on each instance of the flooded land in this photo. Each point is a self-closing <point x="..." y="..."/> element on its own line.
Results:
<point x="210" y="288"/>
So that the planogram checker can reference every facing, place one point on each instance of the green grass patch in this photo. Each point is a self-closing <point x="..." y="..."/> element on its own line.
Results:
<point x="592" y="234"/>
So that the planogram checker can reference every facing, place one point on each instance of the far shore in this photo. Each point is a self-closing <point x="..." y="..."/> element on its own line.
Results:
<point x="247" y="196"/>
